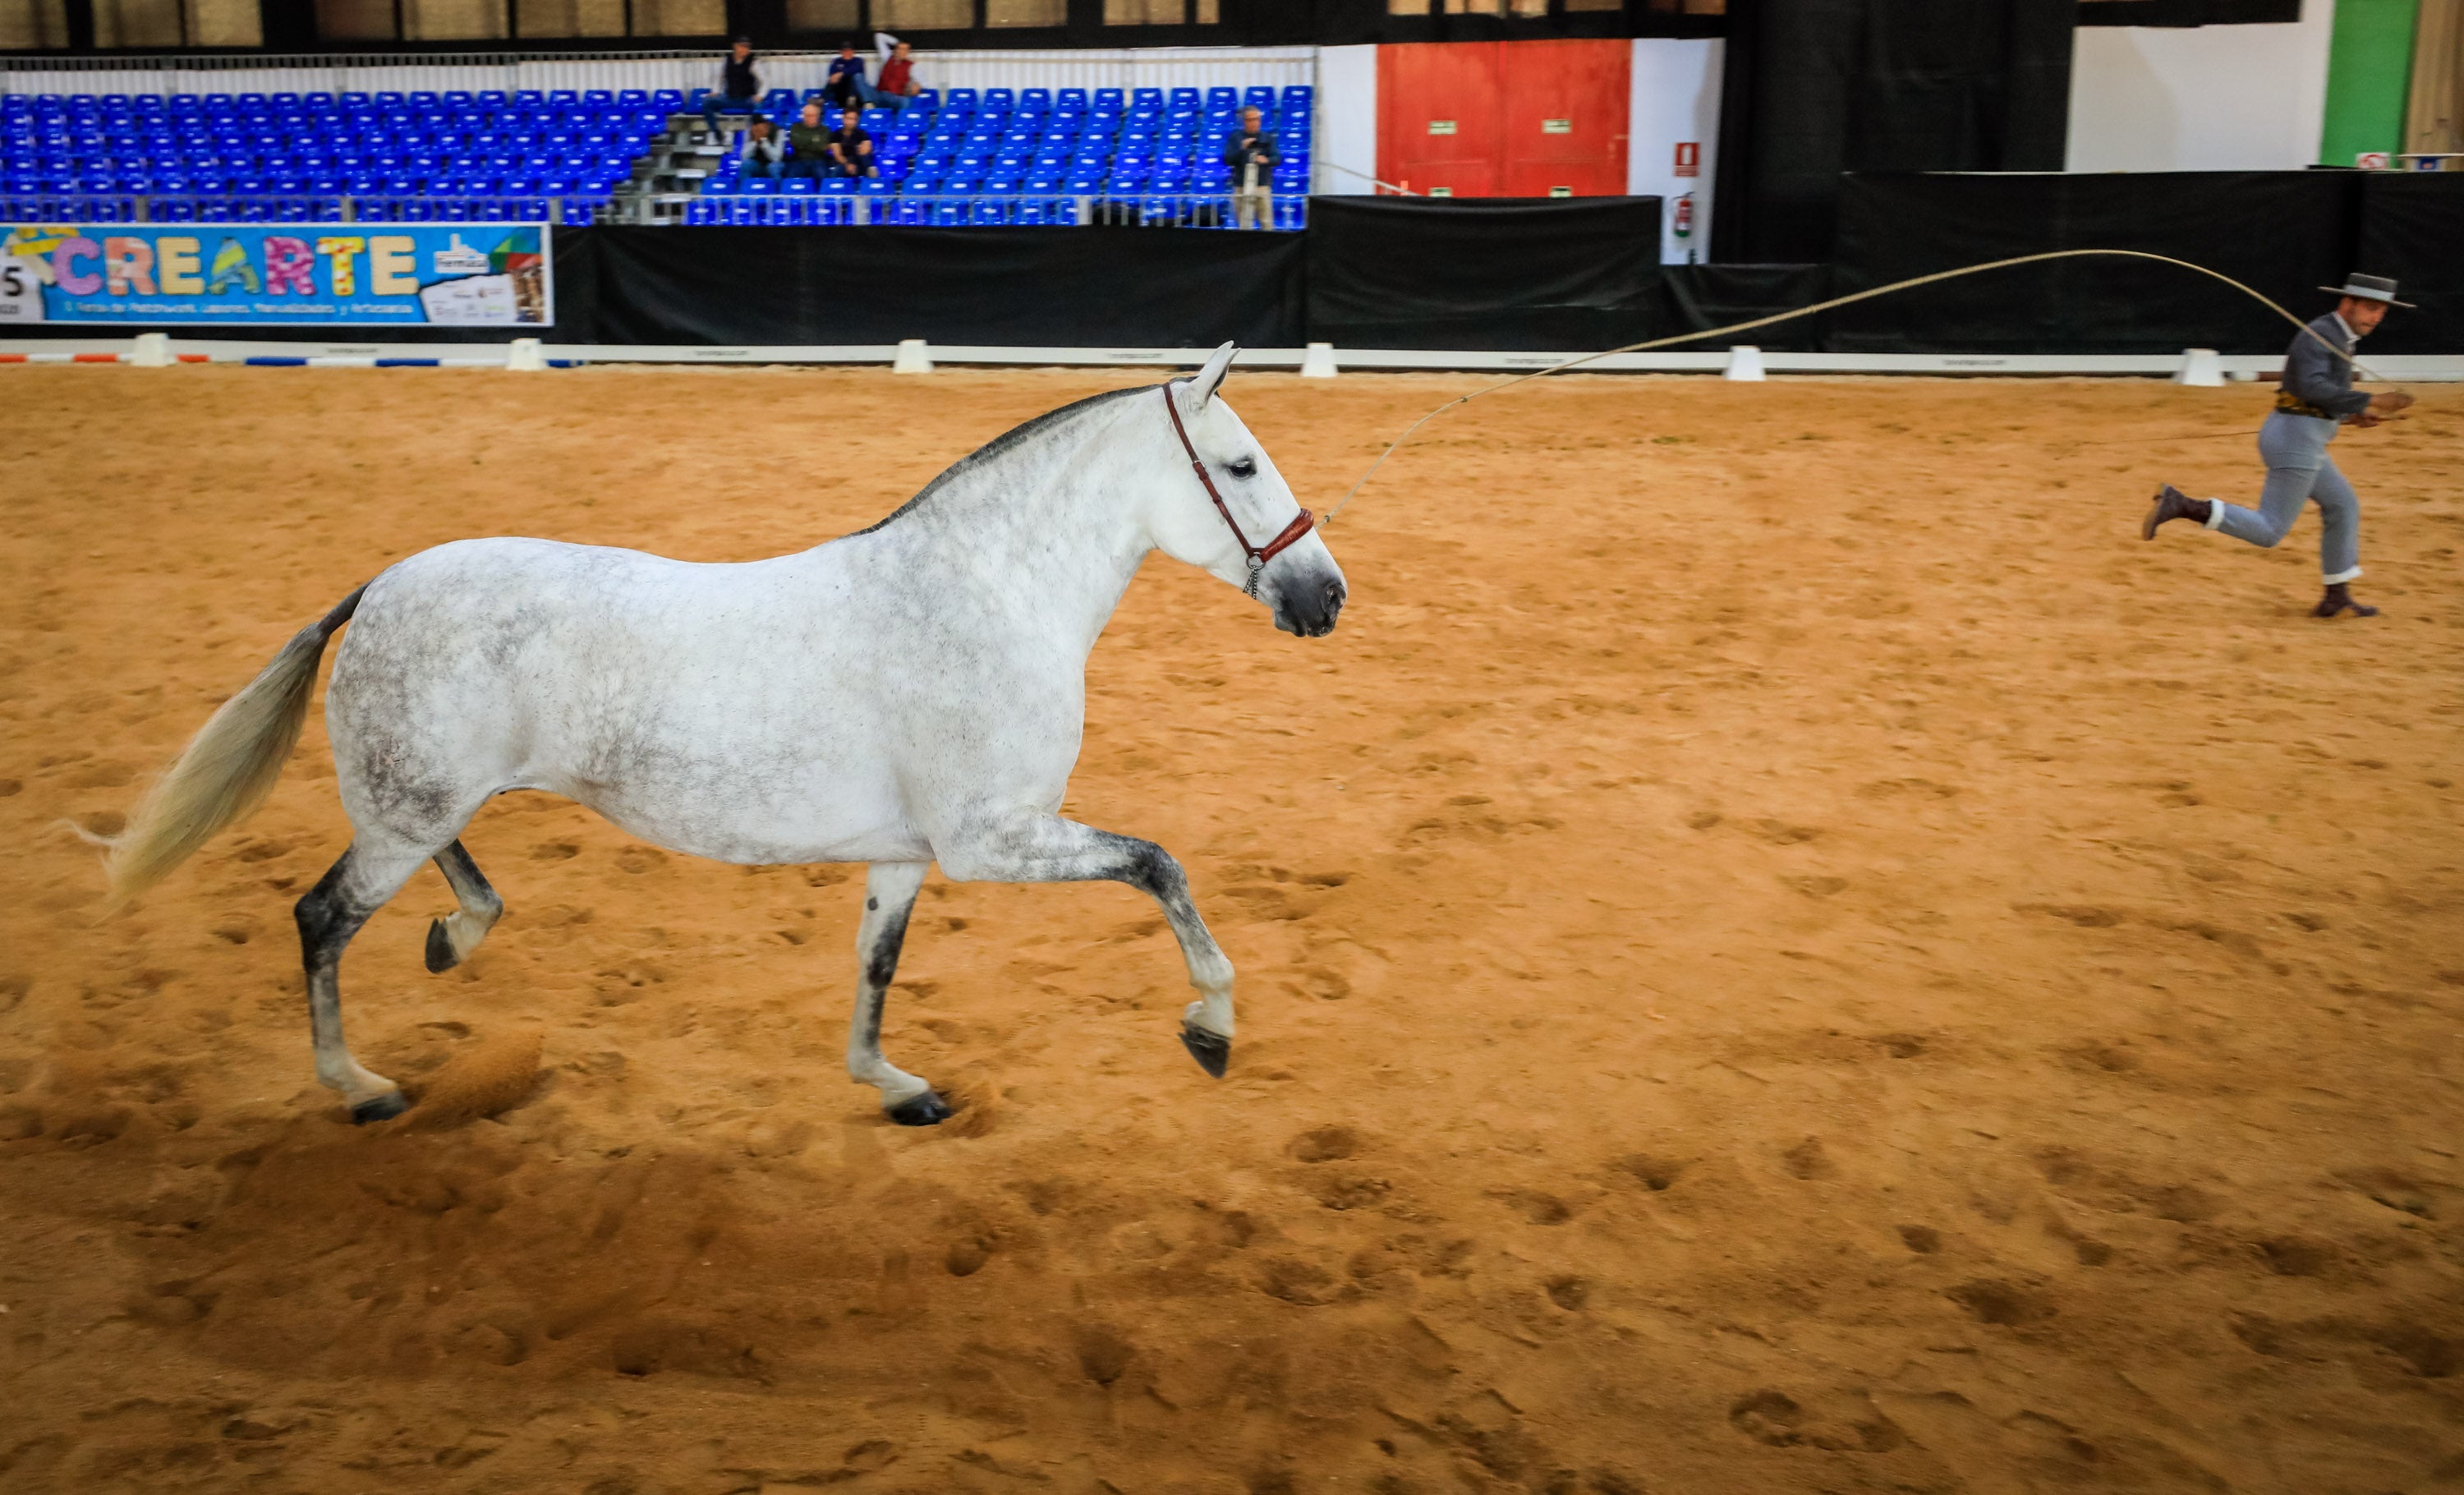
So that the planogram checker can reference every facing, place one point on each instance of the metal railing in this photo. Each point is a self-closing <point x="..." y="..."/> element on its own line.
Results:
<point x="1287" y="214"/>
<point x="95" y="207"/>
<point x="370" y="72"/>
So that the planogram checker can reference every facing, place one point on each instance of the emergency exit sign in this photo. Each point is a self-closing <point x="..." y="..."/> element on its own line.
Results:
<point x="1556" y="126"/>
<point x="1689" y="158"/>
<point x="1441" y="126"/>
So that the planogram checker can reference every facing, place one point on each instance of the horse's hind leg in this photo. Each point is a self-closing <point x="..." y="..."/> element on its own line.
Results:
<point x="888" y="895"/>
<point x="371" y="872"/>
<point x="451" y="938"/>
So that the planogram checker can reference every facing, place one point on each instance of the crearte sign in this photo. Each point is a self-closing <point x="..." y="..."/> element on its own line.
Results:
<point x="460" y="274"/>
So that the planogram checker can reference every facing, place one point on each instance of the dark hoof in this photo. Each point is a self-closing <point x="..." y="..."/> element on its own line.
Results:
<point x="920" y="1111"/>
<point x="382" y="1108"/>
<point x="440" y="947"/>
<point x="1212" y="1051"/>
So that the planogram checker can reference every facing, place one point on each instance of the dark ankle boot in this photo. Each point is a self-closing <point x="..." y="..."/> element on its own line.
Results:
<point x="2171" y="505"/>
<point x="2340" y="600"/>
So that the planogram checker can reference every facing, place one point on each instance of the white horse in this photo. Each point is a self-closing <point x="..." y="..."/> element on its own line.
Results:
<point x="910" y="693"/>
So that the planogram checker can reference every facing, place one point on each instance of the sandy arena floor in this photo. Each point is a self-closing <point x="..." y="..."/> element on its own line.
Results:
<point x="1782" y="950"/>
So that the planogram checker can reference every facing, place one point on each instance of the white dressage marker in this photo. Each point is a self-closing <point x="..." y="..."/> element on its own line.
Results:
<point x="908" y="693"/>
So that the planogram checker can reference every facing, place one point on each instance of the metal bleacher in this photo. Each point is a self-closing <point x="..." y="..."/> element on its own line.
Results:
<point x="1029" y="156"/>
<point x="559" y="156"/>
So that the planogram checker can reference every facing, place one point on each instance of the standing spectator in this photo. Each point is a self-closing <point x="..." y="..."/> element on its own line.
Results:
<point x="897" y="83"/>
<point x="845" y="87"/>
<point x="764" y="153"/>
<point x="740" y="88"/>
<point x="810" y="140"/>
<point x="851" y="148"/>
<point x="1250" y="153"/>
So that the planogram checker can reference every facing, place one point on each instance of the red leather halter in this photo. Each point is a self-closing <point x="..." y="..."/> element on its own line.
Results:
<point x="1302" y="522"/>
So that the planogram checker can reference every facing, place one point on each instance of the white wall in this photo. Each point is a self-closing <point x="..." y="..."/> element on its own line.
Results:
<point x="1676" y="97"/>
<point x="1346" y="120"/>
<point x="2202" y="98"/>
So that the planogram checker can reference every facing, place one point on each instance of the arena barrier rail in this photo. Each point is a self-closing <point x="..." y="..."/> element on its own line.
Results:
<point x="84" y="208"/>
<point x="157" y="349"/>
<point x="959" y="209"/>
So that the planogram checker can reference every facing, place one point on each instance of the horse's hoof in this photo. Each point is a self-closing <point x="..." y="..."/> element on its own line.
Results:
<point x="919" y="1110"/>
<point x="1212" y="1051"/>
<point x="379" y="1107"/>
<point x="440" y="948"/>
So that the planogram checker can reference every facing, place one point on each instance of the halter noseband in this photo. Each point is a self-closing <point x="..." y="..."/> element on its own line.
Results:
<point x="1302" y="522"/>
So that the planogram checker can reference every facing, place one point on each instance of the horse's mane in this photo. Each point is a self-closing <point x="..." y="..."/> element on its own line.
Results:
<point x="997" y="447"/>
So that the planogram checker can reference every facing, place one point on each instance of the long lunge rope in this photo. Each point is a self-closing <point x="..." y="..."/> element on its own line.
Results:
<point x="1824" y="306"/>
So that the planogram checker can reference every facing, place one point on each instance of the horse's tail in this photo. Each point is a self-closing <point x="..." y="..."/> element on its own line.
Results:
<point x="229" y="767"/>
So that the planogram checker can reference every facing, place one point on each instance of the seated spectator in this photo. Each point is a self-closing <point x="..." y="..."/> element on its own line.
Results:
<point x="897" y="83"/>
<point x="764" y="153"/>
<point x="810" y="140"/>
<point x="845" y="87"/>
<point x="739" y="90"/>
<point x="851" y="148"/>
<point x="1250" y="153"/>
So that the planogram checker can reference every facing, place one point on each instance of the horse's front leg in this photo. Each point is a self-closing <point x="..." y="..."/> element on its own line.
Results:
<point x="888" y="897"/>
<point x="1045" y="849"/>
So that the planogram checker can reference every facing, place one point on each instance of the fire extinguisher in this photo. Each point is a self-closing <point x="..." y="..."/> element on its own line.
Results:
<point x="1684" y="227"/>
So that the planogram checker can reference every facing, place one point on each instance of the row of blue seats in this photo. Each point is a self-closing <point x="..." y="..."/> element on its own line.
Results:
<point x="1205" y="210"/>
<point x="576" y="209"/>
<point x="245" y="103"/>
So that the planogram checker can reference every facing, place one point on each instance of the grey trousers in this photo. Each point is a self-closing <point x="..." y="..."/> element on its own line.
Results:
<point x="2298" y="469"/>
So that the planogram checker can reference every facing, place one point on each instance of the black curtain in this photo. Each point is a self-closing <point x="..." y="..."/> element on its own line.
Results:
<point x="1817" y="87"/>
<point x="2282" y="232"/>
<point x="1161" y="288"/>
<point x="2413" y="229"/>
<point x="1578" y="273"/>
<point x="1699" y="298"/>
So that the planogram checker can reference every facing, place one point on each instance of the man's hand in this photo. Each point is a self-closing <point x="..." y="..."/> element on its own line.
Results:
<point x="2389" y="403"/>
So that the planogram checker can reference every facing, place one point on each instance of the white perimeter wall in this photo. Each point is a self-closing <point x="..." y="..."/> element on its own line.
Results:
<point x="1676" y="99"/>
<point x="2200" y="98"/>
<point x="1346" y="120"/>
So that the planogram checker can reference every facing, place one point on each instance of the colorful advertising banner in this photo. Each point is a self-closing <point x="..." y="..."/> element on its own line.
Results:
<point x="353" y="274"/>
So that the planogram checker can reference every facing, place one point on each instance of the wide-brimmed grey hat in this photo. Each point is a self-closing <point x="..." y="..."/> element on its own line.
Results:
<point x="2368" y="288"/>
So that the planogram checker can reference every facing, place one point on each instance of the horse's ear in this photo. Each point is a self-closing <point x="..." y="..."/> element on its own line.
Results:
<point x="1203" y="387"/>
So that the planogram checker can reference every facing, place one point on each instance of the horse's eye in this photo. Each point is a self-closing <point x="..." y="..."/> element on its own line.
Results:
<point x="1244" y="468"/>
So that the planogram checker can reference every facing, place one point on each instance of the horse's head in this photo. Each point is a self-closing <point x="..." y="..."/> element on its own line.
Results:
<point x="1299" y="578"/>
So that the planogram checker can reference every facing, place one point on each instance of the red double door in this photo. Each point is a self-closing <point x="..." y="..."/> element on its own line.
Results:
<point x="1505" y="119"/>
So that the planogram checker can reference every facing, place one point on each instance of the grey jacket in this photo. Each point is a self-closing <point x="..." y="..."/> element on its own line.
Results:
<point x="2316" y="377"/>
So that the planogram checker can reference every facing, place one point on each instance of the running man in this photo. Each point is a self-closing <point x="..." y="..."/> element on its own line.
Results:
<point x="2315" y="397"/>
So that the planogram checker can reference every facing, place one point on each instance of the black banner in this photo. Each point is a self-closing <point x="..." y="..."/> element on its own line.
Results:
<point x="1145" y="288"/>
<point x="1701" y="297"/>
<point x="2281" y="232"/>
<point x="2412" y="229"/>
<point x="1578" y="274"/>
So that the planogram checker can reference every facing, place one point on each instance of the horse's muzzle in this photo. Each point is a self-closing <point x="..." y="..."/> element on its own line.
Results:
<point x="1309" y="610"/>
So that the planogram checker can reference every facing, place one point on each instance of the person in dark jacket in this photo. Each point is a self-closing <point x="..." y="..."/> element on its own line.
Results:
<point x="810" y="140"/>
<point x="851" y="148"/>
<point x="739" y="90"/>
<point x="2316" y="396"/>
<point x="1250" y="153"/>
